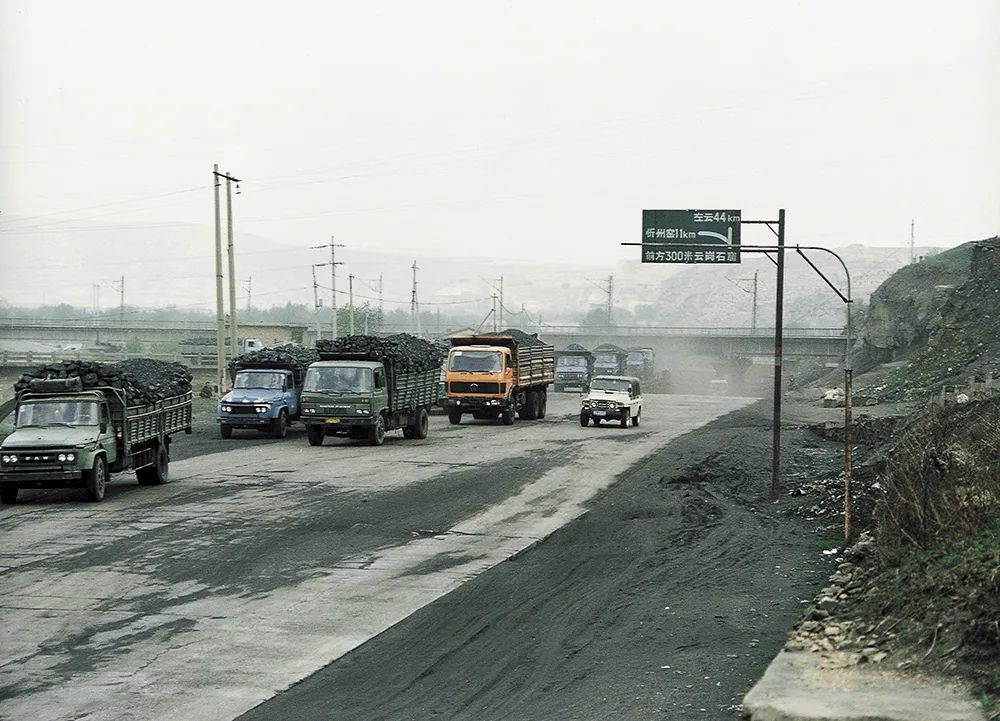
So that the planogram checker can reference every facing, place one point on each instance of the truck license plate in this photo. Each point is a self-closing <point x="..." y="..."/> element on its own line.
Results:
<point x="598" y="413"/>
<point x="333" y="420"/>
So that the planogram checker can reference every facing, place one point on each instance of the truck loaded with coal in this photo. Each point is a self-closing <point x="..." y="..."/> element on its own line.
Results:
<point x="365" y="386"/>
<point x="78" y="421"/>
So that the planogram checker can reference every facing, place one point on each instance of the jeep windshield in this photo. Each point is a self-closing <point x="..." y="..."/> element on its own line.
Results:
<point x="476" y="361"/>
<point x="58" y="413"/>
<point x="258" y="379"/>
<point x="610" y="384"/>
<point x="338" y="379"/>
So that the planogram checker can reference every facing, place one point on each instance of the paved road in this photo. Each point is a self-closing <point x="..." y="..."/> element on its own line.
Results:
<point x="255" y="567"/>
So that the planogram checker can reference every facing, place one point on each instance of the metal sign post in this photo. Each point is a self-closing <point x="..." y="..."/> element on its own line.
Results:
<point x="675" y="246"/>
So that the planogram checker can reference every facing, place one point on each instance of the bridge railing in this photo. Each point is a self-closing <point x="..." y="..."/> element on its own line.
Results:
<point x="654" y="330"/>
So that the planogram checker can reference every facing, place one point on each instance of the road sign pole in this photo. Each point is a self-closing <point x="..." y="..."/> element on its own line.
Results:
<point x="779" y="300"/>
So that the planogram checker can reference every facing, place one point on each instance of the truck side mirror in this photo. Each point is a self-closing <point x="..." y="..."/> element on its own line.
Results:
<point x="104" y="427"/>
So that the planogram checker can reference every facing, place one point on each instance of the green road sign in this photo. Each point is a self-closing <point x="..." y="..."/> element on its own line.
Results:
<point x="701" y="236"/>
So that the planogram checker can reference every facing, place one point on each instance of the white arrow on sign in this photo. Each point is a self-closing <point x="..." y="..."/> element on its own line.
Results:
<point x="720" y="236"/>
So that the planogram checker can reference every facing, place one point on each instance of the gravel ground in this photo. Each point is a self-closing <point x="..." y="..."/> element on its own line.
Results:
<point x="668" y="599"/>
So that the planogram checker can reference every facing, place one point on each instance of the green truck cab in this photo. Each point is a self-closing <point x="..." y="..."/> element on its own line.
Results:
<point x="68" y="437"/>
<point x="358" y="395"/>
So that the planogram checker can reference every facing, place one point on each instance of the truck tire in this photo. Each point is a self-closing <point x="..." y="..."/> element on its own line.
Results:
<point x="584" y="419"/>
<point x="95" y="480"/>
<point x="158" y="473"/>
<point x="529" y="411"/>
<point x="419" y="428"/>
<point x="507" y="417"/>
<point x="376" y="435"/>
<point x="315" y="435"/>
<point x="543" y="403"/>
<point x="635" y="418"/>
<point x="454" y="416"/>
<point x="8" y="494"/>
<point x="279" y="426"/>
<point x="225" y="430"/>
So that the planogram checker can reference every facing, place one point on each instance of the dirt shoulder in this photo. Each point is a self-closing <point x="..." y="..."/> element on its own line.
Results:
<point x="669" y="597"/>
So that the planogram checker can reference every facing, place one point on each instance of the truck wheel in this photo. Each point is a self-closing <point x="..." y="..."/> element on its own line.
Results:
<point x="507" y="417"/>
<point x="225" y="430"/>
<point x="8" y="493"/>
<point x="376" y="436"/>
<point x="529" y="411"/>
<point x="624" y="420"/>
<point x="635" y="418"/>
<point x="454" y="416"/>
<point x="96" y="479"/>
<point x="420" y="428"/>
<point x="315" y="435"/>
<point x="158" y="473"/>
<point x="584" y="419"/>
<point x="279" y="426"/>
<point x="543" y="402"/>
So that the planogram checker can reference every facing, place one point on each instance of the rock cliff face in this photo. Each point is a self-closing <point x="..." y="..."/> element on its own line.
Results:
<point x="906" y="309"/>
<point x="943" y="315"/>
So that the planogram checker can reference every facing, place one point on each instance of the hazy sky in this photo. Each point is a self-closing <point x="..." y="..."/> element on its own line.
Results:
<point x="503" y="130"/>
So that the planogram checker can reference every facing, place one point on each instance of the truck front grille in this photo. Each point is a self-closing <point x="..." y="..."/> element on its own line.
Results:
<point x="245" y="410"/>
<point x="474" y="387"/>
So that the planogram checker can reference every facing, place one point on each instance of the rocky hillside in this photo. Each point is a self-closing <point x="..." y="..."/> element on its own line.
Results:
<point x="941" y="316"/>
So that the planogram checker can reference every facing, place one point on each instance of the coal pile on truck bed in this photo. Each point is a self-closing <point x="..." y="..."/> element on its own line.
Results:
<point x="291" y="356"/>
<point x="522" y="338"/>
<point x="144" y="380"/>
<point x="404" y="352"/>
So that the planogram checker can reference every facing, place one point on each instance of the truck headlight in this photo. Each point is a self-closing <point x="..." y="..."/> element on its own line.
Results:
<point x="362" y="411"/>
<point x="5" y="459"/>
<point x="262" y="409"/>
<point x="62" y="457"/>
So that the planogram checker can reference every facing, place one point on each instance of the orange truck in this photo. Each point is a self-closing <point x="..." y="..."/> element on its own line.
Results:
<point x="495" y="376"/>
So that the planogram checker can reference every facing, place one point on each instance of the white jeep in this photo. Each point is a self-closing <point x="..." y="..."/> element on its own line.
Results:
<point x="611" y="398"/>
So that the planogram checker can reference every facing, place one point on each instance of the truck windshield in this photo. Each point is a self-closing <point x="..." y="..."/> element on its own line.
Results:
<point x="606" y="358"/>
<point x="338" y="379"/>
<point x="476" y="361"/>
<point x="636" y="359"/>
<point x="58" y="413"/>
<point x="571" y="360"/>
<point x="610" y="384"/>
<point x="258" y="379"/>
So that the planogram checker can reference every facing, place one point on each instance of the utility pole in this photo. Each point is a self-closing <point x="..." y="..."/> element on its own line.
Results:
<point x="234" y="341"/>
<point x="611" y="299"/>
<point x="220" y="326"/>
<point x="414" y="305"/>
<point x="778" y="316"/>
<point x="120" y="287"/>
<point x="494" y="311"/>
<point x="913" y="257"/>
<point x="317" y="301"/>
<point x="350" y="296"/>
<point x="333" y="279"/>
<point x="247" y="287"/>
<point x="753" y="323"/>
<point x="501" y="301"/>
<point x="380" y="287"/>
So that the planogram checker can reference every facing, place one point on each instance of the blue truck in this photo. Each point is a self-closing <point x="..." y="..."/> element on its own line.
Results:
<point x="265" y="397"/>
<point x="574" y="368"/>
<point x="609" y="360"/>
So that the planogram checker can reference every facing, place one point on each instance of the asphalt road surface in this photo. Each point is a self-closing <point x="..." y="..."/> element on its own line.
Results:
<point x="258" y="566"/>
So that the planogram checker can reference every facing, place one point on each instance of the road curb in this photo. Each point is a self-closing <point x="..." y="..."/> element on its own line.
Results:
<point x="802" y="686"/>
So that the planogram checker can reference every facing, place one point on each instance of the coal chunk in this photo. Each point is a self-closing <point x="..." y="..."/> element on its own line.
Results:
<point x="144" y="380"/>
<point x="403" y="352"/>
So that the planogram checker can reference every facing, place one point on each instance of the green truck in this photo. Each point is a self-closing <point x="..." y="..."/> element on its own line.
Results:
<point x="362" y="395"/>
<point x="68" y="437"/>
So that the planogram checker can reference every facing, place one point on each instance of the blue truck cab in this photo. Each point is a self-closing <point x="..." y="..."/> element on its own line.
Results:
<point x="264" y="398"/>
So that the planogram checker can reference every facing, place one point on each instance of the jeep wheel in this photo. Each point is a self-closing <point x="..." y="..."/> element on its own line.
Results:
<point x="624" y="420"/>
<point x="584" y="419"/>
<point x="635" y="418"/>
